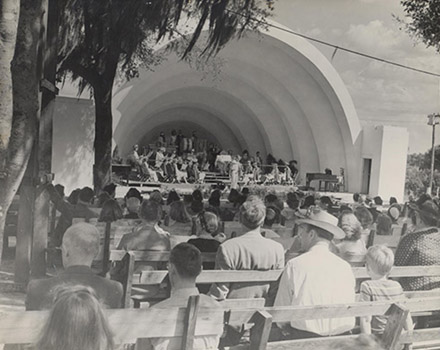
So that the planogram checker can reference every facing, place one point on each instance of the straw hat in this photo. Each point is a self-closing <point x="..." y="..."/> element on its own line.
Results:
<point x="323" y="220"/>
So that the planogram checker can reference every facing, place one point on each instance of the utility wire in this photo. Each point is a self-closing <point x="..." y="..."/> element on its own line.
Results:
<point x="337" y="47"/>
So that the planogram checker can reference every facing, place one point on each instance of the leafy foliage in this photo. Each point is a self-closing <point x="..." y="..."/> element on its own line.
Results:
<point x="418" y="171"/>
<point x="95" y="35"/>
<point x="424" y="22"/>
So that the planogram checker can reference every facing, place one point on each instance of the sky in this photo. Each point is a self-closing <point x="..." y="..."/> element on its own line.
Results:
<point x="381" y="93"/>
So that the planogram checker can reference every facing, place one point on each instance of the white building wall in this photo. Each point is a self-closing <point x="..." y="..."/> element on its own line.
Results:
<point x="393" y="162"/>
<point x="387" y="146"/>
<point x="73" y="135"/>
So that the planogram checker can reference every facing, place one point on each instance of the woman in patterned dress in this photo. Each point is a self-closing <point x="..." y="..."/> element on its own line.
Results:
<point x="422" y="246"/>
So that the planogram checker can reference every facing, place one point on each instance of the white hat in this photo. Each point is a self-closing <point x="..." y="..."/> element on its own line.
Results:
<point x="320" y="218"/>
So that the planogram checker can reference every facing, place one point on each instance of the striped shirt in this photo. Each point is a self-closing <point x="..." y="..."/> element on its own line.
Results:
<point x="377" y="290"/>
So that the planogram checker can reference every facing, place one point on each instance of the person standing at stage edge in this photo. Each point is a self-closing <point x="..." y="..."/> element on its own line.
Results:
<point x="317" y="277"/>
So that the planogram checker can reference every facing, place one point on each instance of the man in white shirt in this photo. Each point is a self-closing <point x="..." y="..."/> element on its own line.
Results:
<point x="317" y="277"/>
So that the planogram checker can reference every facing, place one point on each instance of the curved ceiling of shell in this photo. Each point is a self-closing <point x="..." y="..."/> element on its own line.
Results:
<point x="274" y="93"/>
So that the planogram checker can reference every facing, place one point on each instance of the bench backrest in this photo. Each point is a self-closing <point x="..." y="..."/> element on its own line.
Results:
<point x="130" y="324"/>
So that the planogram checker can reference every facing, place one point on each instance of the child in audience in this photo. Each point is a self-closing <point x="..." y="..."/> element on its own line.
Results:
<point x="379" y="261"/>
<point x="76" y="321"/>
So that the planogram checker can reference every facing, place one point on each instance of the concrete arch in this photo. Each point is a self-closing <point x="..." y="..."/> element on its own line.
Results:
<point x="276" y="93"/>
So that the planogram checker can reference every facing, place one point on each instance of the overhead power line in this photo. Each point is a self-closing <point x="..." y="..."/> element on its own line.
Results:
<point x="337" y="47"/>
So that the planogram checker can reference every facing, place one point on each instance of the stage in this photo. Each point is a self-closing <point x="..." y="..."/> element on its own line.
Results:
<point x="182" y="189"/>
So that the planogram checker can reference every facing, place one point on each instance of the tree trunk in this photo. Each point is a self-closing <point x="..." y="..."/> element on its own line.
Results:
<point x="25" y="88"/>
<point x="103" y="133"/>
<point x="9" y="11"/>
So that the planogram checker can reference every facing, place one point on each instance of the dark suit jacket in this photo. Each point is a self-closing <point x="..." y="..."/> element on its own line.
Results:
<point x="40" y="292"/>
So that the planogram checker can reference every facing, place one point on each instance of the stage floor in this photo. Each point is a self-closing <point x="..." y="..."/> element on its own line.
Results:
<point x="183" y="189"/>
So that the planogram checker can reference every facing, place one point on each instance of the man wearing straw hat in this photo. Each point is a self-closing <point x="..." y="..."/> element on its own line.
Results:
<point x="317" y="277"/>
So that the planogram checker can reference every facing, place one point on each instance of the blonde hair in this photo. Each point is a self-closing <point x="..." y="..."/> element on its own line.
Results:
<point x="380" y="259"/>
<point x="76" y="321"/>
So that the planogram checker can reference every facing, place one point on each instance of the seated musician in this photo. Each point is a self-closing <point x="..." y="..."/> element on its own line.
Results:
<point x="137" y="161"/>
<point x="184" y="266"/>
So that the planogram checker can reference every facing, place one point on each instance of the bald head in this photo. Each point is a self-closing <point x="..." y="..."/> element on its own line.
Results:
<point x="80" y="244"/>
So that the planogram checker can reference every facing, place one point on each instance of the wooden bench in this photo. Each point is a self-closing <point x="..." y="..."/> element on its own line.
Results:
<point x="128" y="265"/>
<point x="146" y="279"/>
<point x="392" y="339"/>
<point x="129" y="325"/>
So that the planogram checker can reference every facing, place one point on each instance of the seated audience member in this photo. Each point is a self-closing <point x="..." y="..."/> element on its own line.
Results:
<point x="208" y="238"/>
<point x="422" y="246"/>
<point x="308" y="201"/>
<point x="269" y="220"/>
<point x="110" y="189"/>
<point x="393" y="200"/>
<point x="351" y="245"/>
<point x="325" y="203"/>
<point x="317" y="277"/>
<point x="76" y="321"/>
<point x="133" y="205"/>
<point x="184" y="267"/>
<point x="147" y="236"/>
<point x="172" y="197"/>
<point x="384" y="225"/>
<point x="250" y="251"/>
<point x="133" y="192"/>
<point x="69" y="211"/>
<point x="178" y="221"/>
<point x="156" y="196"/>
<point x="195" y="208"/>
<point x="80" y="246"/>
<point x="214" y="198"/>
<point x="394" y="213"/>
<point x="73" y="197"/>
<point x="366" y="219"/>
<point x="111" y="211"/>
<point x="102" y="198"/>
<point x="290" y="213"/>
<point x="380" y="260"/>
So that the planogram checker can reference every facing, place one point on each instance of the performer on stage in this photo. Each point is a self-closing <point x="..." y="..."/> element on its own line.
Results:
<point x="234" y="172"/>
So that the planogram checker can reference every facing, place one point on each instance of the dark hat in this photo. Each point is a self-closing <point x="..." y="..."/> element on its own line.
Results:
<point x="427" y="208"/>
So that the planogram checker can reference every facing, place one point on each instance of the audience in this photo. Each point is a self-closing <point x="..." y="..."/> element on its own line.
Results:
<point x="379" y="261"/>
<point x="351" y="245"/>
<point x="76" y="321"/>
<point x="422" y="246"/>
<point x="184" y="267"/>
<point x="394" y="213"/>
<point x="79" y="248"/>
<point x="172" y="197"/>
<point x="208" y="237"/>
<point x="69" y="211"/>
<point x="111" y="211"/>
<point x="317" y="277"/>
<point x="178" y="222"/>
<point x="384" y="225"/>
<point x="366" y="219"/>
<point x="133" y="206"/>
<point x="148" y="236"/>
<point x="250" y="251"/>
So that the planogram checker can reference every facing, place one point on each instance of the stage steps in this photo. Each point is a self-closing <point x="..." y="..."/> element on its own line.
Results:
<point x="215" y="177"/>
